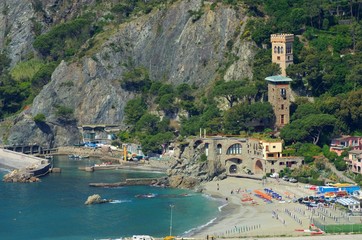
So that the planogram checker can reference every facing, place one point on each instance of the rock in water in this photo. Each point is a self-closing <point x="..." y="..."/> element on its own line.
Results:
<point x="20" y="176"/>
<point x="95" y="199"/>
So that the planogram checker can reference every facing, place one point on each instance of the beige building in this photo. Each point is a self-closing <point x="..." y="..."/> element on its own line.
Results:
<point x="279" y="93"/>
<point x="248" y="155"/>
<point x="282" y="50"/>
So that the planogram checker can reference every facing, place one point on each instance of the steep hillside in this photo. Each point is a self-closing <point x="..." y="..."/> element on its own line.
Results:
<point x="185" y="42"/>
<point x="21" y="21"/>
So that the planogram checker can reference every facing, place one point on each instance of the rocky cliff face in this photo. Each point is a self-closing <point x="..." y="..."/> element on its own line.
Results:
<point x="188" y="170"/>
<point x="170" y="42"/>
<point x="19" y="20"/>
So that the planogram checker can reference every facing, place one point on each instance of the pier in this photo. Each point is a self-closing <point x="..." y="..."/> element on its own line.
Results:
<point x="128" y="182"/>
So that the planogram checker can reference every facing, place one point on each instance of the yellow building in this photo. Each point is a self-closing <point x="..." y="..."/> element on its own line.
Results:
<point x="248" y="155"/>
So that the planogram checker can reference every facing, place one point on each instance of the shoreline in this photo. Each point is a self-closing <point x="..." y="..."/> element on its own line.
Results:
<point x="255" y="219"/>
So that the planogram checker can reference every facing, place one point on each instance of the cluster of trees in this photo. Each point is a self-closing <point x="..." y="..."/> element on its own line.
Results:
<point x="244" y="113"/>
<point x="65" y="39"/>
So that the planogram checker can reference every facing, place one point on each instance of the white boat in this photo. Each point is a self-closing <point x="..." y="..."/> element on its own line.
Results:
<point x="142" y="237"/>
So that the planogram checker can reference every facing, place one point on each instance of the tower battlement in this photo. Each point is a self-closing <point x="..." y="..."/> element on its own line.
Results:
<point x="282" y="37"/>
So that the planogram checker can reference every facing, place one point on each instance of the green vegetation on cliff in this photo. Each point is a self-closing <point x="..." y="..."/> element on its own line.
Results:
<point x="327" y="62"/>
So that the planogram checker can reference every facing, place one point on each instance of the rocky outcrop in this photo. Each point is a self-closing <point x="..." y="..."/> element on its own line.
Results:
<point x="96" y="199"/>
<point x="20" y="176"/>
<point x="188" y="170"/>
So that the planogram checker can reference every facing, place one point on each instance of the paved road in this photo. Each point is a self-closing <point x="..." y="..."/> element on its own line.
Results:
<point x="338" y="173"/>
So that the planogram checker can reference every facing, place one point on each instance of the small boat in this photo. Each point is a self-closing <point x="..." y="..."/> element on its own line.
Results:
<point x="83" y="156"/>
<point x="149" y="195"/>
<point x="313" y="230"/>
<point x="142" y="237"/>
<point x="73" y="156"/>
<point x="103" y="164"/>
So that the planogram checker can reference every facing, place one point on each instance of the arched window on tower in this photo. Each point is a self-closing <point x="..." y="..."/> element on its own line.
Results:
<point x="278" y="49"/>
<point x="283" y="93"/>
<point x="234" y="149"/>
<point x="282" y="50"/>
<point x="275" y="49"/>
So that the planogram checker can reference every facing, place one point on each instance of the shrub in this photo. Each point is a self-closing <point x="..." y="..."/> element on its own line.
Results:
<point x="39" y="118"/>
<point x="136" y="80"/>
<point x="203" y="158"/>
<point x="26" y="70"/>
<point x="64" y="112"/>
<point x="316" y="182"/>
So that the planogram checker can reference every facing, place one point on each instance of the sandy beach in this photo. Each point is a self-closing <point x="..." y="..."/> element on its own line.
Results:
<point x="247" y="216"/>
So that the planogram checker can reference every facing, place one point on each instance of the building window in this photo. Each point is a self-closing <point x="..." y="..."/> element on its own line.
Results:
<point x="275" y="49"/>
<point x="267" y="148"/>
<point x="278" y="58"/>
<point x="282" y="107"/>
<point x="281" y="163"/>
<point x="278" y="49"/>
<point x="288" y="58"/>
<point x="218" y="150"/>
<point x="281" y="50"/>
<point x="289" y="48"/>
<point x="282" y="119"/>
<point x="234" y="149"/>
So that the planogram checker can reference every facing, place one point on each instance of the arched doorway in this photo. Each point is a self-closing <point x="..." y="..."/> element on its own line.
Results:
<point x="233" y="165"/>
<point x="258" y="167"/>
<point x="233" y="169"/>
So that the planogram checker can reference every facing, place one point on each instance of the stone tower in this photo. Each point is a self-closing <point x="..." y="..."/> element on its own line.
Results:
<point x="282" y="50"/>
<point x="279" y="97"/>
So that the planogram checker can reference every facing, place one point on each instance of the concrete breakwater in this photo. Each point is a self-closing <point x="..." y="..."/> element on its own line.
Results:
<point x="131" y="182"/>
<point x="25" y="167"/>
<point x="15" y="160"/>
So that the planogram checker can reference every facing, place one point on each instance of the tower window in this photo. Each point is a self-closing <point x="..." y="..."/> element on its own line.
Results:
<point x="282" y="107"/>
<point x="283" y="93"/>
<point x="278" y="49"/>
<point x="275" y="49"/>
<point x="278" y="58"/>
<point x="282" y="50"/>
<point x="282" y="119"/>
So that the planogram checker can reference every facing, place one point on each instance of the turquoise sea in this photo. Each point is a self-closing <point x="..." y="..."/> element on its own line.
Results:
<point x="54" y="209"/>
